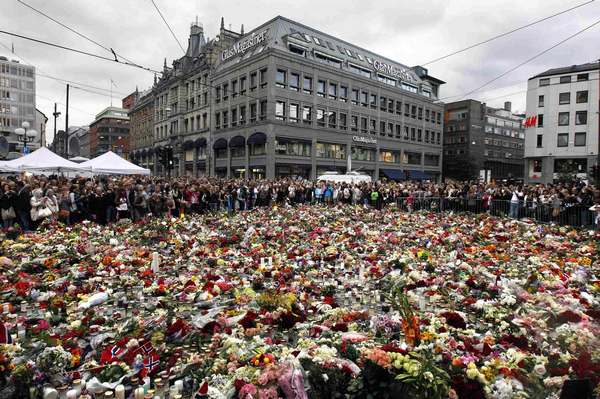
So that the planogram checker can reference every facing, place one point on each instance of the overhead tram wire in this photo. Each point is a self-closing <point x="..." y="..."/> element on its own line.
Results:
<point x="110" y="50"/>
<point x="506" y="33"/>
<point x="166" y="23"/>
<point x="106" y="58"/>
<point x="526" y="61"/>
<point x="80" y="51"/>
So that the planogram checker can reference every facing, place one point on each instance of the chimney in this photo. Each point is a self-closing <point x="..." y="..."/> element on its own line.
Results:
<point x="508" y="106"/>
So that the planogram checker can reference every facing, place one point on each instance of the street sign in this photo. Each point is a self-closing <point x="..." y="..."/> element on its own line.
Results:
<point x="25" y="150"/>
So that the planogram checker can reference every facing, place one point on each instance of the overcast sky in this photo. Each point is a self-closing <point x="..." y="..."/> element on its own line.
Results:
<point x="412" y="33"/>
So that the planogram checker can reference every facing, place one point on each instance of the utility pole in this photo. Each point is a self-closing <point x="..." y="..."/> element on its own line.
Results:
<point x="67" y="126"/>
<point x="56" y="114"/>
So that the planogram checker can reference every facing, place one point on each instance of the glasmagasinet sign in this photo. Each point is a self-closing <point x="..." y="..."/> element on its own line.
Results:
<point x="365" y="140"/>
<point x="391" y="70"/>
<point x="244" y="45"/>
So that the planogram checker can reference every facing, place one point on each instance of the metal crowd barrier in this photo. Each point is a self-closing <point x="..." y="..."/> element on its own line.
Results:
<point x="576" y="216"/>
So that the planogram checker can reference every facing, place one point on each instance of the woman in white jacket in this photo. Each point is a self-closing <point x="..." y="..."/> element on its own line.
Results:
<point x="51" y="202"/>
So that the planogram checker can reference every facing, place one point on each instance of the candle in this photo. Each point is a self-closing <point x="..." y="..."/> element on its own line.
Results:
<point x="50" y="393"/>
<point x="71" y="394"/>
<point x="179" y="386"/>
<point x="155" y="262"/>
<point x="138" y="393"/>
<point x="120" y="392"/>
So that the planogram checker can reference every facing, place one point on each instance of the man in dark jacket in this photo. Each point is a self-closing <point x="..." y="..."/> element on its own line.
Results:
<point x="22" y="205"/>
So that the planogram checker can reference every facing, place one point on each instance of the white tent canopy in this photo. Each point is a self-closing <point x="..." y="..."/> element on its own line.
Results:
<point x="111" y="164"/>
<point x="41" y="160"/>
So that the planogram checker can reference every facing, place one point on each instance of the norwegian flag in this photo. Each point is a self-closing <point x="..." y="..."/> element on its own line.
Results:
<point x="5" y="337"/>
<point x="111" y="354"/>
<point x="151" y="362"/>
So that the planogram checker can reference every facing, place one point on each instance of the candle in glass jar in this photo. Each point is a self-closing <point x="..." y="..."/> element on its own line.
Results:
<point x="138" y="393"/>
<point x="120" y="392"/>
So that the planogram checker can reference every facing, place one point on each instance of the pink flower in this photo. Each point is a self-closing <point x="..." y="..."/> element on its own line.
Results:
<point x="248" y="391"/>
<point x="267" y="393"/>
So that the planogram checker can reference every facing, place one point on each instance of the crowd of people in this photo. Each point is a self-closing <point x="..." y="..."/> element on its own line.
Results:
<point x="27" y="201"/>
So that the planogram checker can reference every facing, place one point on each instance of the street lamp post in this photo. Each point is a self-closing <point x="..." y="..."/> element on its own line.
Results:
<point x="25" y="135"/>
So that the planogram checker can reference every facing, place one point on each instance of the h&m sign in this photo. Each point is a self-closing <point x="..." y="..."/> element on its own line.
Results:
<point x="531" y="121"/>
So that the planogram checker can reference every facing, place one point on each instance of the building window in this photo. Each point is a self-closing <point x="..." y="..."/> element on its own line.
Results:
<point x="363" y="154"/>
<point x="565" y="79"/>
<point x="398" y="131"/>
<point x="242" y="115"/>
<point x="343" y="93"/>
<point x="217" y="120"/>
<point x="294" y="82"/>
<point x="409" y="87"/>
<point x="386" y="80"/>
<point x="426" y="115"/>
<point x="364" y="98"/>
<point x="332" y="91"/>
<point x="582" y="77"/>
<point x="389" y="156"/>
<point x="399" y="107"/>
<point x="539" y="141"/>
<point x="242" y="85"/>
<point x="320" y="117"/>
<point x="390" y="129"/>
<point x="355" y="96"/>
<point x="540" y="101"/>
<point x="563" y="140"/>
<point x="363" y="125"/>
<point x="343" y="121"/>
<point x="420" y="135"/>
<point x="563" y="119"/>
<point x="257" y="149"/>
<point x="294" y="113"/>
<point x="280" y="79"/>
<point x="431" y="160"/>
<point x="413" y="133"/>
<point x="582" y="97"/>
<point x="263" y="77"/>
<point x="544" y="82"/>
<point x="252" y="112"/>
<point x="225" y="91"/>
<point x="234" y="88"/>
<point x="332" y="119"/>
<point x="253" y="81"/>
<point x="321" y="88"/>
<point x="406" y="109"/>
<point x="382" y="128"/>
<point x="234" y="120"/>
<point x="373" y="126"/>
<point x="413" y="112"/>
<point x="307" y="85"/>
<point x="581" y="118"/>
<point x="359" y="71"/>
<point x="382" y="103"/>
<point x="327" y="150"/>
<point x="238" y="152"/>
<point x="217" y="94"/>
<point x="225" y="119"/>
<point x="280" y="110"/>
<point x="540" y="120"/>
<point x="420" y="114"/>
<point x="580" y="139"/>
<point x="412" y="158"/>
<point x="307" y="114"/>
<point x="564" y="98"/>
<point x="406" y="129"/>
<point x="292" y="147"/>
<point x="373" y="100"/>
<point x="263" y="110"/>
<point x="354" y="123"/>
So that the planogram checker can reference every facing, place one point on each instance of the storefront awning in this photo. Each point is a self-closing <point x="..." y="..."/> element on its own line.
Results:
<point x="188" y="145"/>
<point x="237" y="141"/>
<point x="220" y="144"/>
<point x="257" y="138"/>
<point x="394" y="174"/>
<point x="417" y="175"/>
<point x="201" y="142"/>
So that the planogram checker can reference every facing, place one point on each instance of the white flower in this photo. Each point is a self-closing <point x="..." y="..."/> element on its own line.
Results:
<point x="428" y="375"/>
<point x="539" y="369"/>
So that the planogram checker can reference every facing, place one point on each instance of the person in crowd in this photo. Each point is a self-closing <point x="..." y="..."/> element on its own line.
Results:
<point x="7" y="203"/>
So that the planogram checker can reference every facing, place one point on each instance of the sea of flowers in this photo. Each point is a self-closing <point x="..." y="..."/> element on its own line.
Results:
<point x="304" y="302"/>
